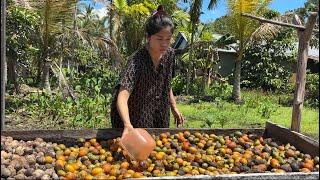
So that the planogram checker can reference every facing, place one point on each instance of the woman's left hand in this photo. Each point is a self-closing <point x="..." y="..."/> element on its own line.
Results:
<point x="178" y="118"/>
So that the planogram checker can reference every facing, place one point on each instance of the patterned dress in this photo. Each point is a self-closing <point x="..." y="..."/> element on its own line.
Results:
<point x="148" y="104"/>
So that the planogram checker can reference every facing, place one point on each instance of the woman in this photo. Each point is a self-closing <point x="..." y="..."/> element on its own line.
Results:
<point x="143" y="96"/>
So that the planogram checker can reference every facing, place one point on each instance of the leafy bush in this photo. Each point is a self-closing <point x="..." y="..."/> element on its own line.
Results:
<point x="267" y="65"/>
<point x="266" y="109"/>
<point x="220" y="89"/>
<point x="312" y="90"/>
<point x="90" y="109"/>
<point x="85" y="111"/>
<point x="286" y="100"/>
<point x="311" y="98"/>
<point x="196" y="87"/>
<point x="178" y="84"/>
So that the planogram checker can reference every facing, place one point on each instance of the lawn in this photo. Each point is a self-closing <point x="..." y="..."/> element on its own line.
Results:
<point x="258" y="107"/>
<point x="256" y="110"/>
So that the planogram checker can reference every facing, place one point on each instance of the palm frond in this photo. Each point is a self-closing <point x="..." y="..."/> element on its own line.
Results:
<point x="268" y="31"/>
<point x="53" y="12"/>
<point x="138" y="9"/>
<point x="120" y="4"/>
<point x="212" y="4"/>
<point x="242" y="27"/>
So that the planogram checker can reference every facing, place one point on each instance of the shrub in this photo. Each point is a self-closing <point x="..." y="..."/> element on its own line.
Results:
<point x="312" y="90"/>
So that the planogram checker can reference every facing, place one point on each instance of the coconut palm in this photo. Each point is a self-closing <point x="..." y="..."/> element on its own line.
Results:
<point x="244" y="29"/>
<point x="195" y="12"/>
<point x="53" y="13"/>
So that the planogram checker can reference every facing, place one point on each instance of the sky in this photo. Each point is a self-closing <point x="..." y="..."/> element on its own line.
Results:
<point x="210" y="15"/>
<point x="279" y="5"/>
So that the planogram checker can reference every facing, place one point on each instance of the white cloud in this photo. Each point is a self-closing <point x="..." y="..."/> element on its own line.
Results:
<point x="313" y="52"/>
<point x="101" y="12"/>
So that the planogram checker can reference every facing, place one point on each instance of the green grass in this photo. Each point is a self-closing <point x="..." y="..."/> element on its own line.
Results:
<point x="90" y="112"/>
<point x="257" y="109"/>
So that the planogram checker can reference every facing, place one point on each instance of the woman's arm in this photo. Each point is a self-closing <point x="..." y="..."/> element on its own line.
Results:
<point x="178" y="118"/>
<point x="173" y="103"/>
<point x="122" y="106"/>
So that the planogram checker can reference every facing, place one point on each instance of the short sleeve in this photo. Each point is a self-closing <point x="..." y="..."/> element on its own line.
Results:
<point x="128" y="75"/>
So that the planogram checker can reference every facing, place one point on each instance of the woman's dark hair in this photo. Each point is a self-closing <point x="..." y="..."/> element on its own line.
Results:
<point x="159" y="20"/>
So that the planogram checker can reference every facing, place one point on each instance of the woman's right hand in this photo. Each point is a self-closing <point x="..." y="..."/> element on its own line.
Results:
<point x="127" y="129"/>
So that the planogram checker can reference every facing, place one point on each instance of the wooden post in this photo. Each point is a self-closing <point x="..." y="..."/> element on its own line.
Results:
<point x="304" y="38"/>
<point x="3" y="61"/>
<point x="304" y="33"/>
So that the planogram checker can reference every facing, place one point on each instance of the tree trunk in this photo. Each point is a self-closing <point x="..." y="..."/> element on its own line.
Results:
<point x="68" y="65"/>
<point x="73" y="44"/>
<point x="236" y="93"/>
<point x="12" y="72"/>
<point x="190" y="60"/>
<point x="46" y="75"/>
<point x="60" y="75"/>
<point x="209" y="68"/>
<point x="61" y="56"/>
<point x="194" y="72"/>
<point x="3" y="61"/>
<point x="111" y="25"/>
<point x="45" y="54"/>
<point x="209" y="77"/>
<point x="204" y="80"/>
<point x="39" y="70"/>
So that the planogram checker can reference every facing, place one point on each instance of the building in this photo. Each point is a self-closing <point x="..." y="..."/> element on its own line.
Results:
<point x="228" y="55"/>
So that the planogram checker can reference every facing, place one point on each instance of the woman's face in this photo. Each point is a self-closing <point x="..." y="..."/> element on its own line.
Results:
<point x="160" y="42"/>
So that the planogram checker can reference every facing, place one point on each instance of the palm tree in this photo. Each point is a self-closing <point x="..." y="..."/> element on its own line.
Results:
<point x="243" y="29"/>
<point x="53" y="13"/>
<point x="195" y="13"/>
<point x="93" y="32"/>
<point x="181" y="19"/>
<point x="310" y="6"/>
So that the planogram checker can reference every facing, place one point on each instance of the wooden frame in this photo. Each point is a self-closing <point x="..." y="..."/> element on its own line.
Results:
<point x="284" y="135"/>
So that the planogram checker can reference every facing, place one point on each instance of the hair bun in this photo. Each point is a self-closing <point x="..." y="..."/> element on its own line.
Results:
<point x="160" y="8"/>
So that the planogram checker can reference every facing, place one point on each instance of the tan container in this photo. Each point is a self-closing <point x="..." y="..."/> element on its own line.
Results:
<point x="138" y="143"/>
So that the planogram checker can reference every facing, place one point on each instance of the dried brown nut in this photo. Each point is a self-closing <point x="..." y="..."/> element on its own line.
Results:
<point x="45" y="177"/>
<point x="4" y="155"/>
<point x="5" y="172"/>
<point x="38" y="173"/>
<point x="5" y="162"/>
<point x="22" y="171"/>
<point x="50" y="152"/>
<point x="16" y="164"/>
<point x="29" y="171"/>
<point x="49" y="171"/>
<point x="31" y="159"/>
<point x="49" y="166"/>
<point x="38" y="140"/>
<point x="12" y="170"/>
<point x="40" y="160"/>
<point x="55" y="176"/>
<point x="28" y="150"/>
<point x="20" y="177"/>
<point x="19" y="150"/>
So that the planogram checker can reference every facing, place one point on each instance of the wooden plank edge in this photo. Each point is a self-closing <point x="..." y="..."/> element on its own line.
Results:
<point x="285" y="135"/>
<point x="269" y="176"/>
<point x="100" y="133"/>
